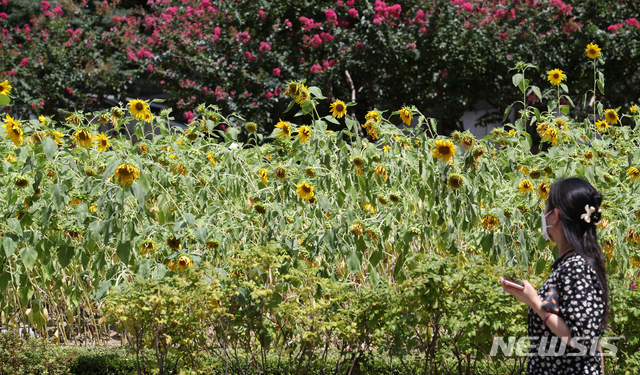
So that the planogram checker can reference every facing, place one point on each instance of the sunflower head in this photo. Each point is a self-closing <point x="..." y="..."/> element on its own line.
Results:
<point x="5" y="88"/>
<point x="543" y="190"/>
<point x="588" y="155"/>
<point x="310" y="171"/>
<point x="139" y="109"/>
<point x="381" y="172"/>
<point x="22" y="182"/>
<point x="490" y="222"/>
<point x="74" y="119"/>
<point x="11" y="157"/>
<point x="83" y="138"/>
<point x="259" y="208"/>
<point x="592" y="50"/>
<point x="338" y="109"/>
<point x="126" y="174"/>
<point x="478" y="152"/>
<point x="455" y="180"/>
<point x="89" y="172"/>
<point x="283" y="129"/>
<point x="611" y="116"/>
<point x="633" y="109"/>
<point x="535" y="174"/>
<point x="395" y="198"/>
<point x="184" y="261"/>
<point x="382" y="199"/>
<point x="372" y="115"/>
<point x="525" y="187"/>
<point x="213" y="244"/>
<point x="305" y="191"/>
<point x="263" y="175"/>
<point x="405" y="115"/>
<point x="280" y="172"/>
<point x="174" y="243"/>
<point x="102" y="141"/>
<point x="634" y="173"/>
<point x="251" y="127"/>
<point x="444" y="150"/>
<point x="467" y="142"/>
<point x="148" y="247"/>
<point x="358" y="161"/>
<point x="293" y="89"/>
<point x="357" y="227"/>
<point x="304" y="133"/>
<point x="555" y="76"/>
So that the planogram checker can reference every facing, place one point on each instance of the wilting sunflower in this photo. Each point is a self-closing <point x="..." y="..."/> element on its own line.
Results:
<point x="535" y="174"/>
<point x="83" y="138"/>
<point x="444" y="150"/>
<point x="611" y="116"/>
<point x="284" y="129"/>
<point x="394" y="198"/>
<point x="280" y="172"/>
<point x="174" y="243"/>
<point x="303" y="94"/>
<point x="556" y="76"/>
<point x="373" y="131"/>
<point x="10" y="158"/>
<point x="103" y="118"/>
<point x="634" y="173"/>
<point x="543" y="190"/>
<point x="143" y="148"/>
<point x="588" y="155"/>
<point x="259" y="208"/>
<point x="467" y="142"/>
<point x="561" y="123"/>
<point x="552" y="135"/>
<point x="358" y="161"/>
<point x="478" y="152"/>
<point x="74" y="119"/>
<point x="490" y="222"/>
<point x="602" y="126"/>
<point x="13" y="130"/>
<point x="102" y="141"/>
<point x="369" y="208"/>
<point x="5" y="88"/>
<point x="358" y="171"/>
<point x="171" y="264"/>
<point x="148" y="247"/>
<point x="455" y="181"/>
<point x="263" y="175"/>
<point x="405" y="115"/>
<point x="304" y="133"/>
<point x="211" y="159"/>
<point x="139" y="109"/>
<point x="305" y="191"/>
<point x="179" y="169"/>
<point x="184" y="261"/>
<point x="386" y="148"/>
<point x="357" y="228"/>
<point x="338" y="109"/>
<point x="525" y="187"/>
<point x="381" y="172"/>
<point x="126" y="174"/>
<point x="293" y="89"/>
<point x="593" y="50"/>
<point x="21" y="182"/>
<point x="372" y="115"/>
<point x="311" y="172"/>
<point x="382" y="199"/>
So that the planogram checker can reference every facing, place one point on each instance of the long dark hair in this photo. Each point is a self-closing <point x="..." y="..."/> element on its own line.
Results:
<point x="570" y="196"/>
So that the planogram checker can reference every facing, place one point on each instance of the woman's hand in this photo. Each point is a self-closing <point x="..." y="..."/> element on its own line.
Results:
<point x="528" y="295"/>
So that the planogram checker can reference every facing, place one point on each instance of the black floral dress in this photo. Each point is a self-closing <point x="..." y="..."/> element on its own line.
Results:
<point x="572" y="291"/>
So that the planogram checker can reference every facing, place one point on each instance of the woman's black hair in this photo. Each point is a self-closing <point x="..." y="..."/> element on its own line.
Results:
<point x="570" y="196"/>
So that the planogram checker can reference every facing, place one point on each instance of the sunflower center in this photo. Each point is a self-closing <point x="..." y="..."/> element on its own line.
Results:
<point x="139" y="107"/>
<point x="83" y="136"/>
<point x="306" y="189"/>
<point x="444" y="150"/>
<point x="556" y="76"/>
<point x="339" y="107"/>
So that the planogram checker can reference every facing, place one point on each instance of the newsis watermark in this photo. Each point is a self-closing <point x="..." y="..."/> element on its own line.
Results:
<point x="520" y="345"/>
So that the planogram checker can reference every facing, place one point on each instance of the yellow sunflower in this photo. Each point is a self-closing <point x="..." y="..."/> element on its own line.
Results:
<point x="543" y="190"/>
<point x="293" y="89"/>
<point x="13" y="130"/>
<point x="611" y="116"/>
<point x="303" y="94"/>
<point x="126" y="174"/>
<point x="304" y="133"/>
<point x="369" y="208"/>
<point x="148" y="247"/>
<point x="552" y="134"/>
<point x="103" y="142"/>
<point x="386" y="148"/>
<point x="490" y="222"/>
<point x="372" y="130"/>
<point x="211" y="159"/>
<point x="56" y="135"/>
<point x="263" y="175"/>
<point x="405" y="115"/>
<point x="284" y="129"/>
<point x="5" y="88"/>
<point x="634" y="173"/>
<point x="525" y="187"/>
<point x="139" y="109"/>
<point x="338" y="109"/>
<point x="74" y="119"/>
<point x="372" y="115"/>
<point x="633" y="109"/>
<point x="10" y="158"/>
<point x="467" y="142"/>
<point x="357" y="228"/>
<point x="381" y="172"/>
<point x="592" y="50"/>
<point x="444" y="150"/>
<point x="305" y="191"/>
<point x="602" y="126"/>
<point x="83" y="138"/>
<point x="455" y="180"/>
<point x="184" y="261"/>
<point x="556" y="76"/>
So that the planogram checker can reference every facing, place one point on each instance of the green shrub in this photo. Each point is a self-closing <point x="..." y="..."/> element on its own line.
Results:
<point x="33" y="356"/>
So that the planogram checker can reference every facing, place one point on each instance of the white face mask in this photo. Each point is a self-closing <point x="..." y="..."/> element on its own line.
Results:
<point x="545" y="234"/>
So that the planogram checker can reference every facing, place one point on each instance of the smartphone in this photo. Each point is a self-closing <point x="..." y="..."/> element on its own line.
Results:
<point x="513" y="282"/>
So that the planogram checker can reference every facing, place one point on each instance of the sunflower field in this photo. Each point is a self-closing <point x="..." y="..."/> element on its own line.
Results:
<point x="317" y="239"/>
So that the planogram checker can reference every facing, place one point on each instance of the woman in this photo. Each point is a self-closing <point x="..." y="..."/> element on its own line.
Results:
<point x="571" y="307"/>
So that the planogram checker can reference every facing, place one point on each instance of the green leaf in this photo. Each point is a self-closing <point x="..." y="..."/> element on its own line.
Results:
<point x="4" y="100"/>
<point x="102" y="289"/>
<point x="293" y="101"/>
<point x="307" y="106"/>
<point x="140" y="193"/>
<point x="9" y="245"/>
<point x="124" y="252"/>
<point x="50" y="147"/>
<point x="29" y="255"/>
<point x="517" y="78"/>
<point x="506" y="113"/>
<point x="316" y="92"/>
<point x="14" y="225"/>
<point x="354" y="260"/>
<point x="375" y="258"/>
<point x="564" y="88"/>
<point x="564" y="109"/>
<point x="536" y="90"/>
<point x="65" y="254"/>
<point x="600" y="86"/>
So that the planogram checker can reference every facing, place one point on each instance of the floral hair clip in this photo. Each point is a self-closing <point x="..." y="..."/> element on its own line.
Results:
<point x="589" y="211"/>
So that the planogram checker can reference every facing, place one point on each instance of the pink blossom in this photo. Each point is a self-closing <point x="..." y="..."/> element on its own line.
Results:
<point x="45" y="5"/>
<point x="288" y="23"/>
<point x="243" y="37"/>
<point x="504" y="36"/>
<point x="632" y="22"/>
<point x="220" y="94"/>
<point x="378" y="19"/>
<point x="469" y="26"/>
<point x="58" y="10"/>
<point x="269" y="95"/>
<point x="41" y="103"/>
<point x="316" y="41"/>
<point x="255" y="104"/>
<point x="216" y="33"/>
<point x="316" y="69"/>
<point x="353" y="13"/>
<point x="332" y="18"/>
<point x="350" y="3"/>
<point x="420" y="18"/>
<point x="633" y="286"/>
<point x="277" y="91"/>
<point x="468" y="7"/>
<point x="326" y="37"/>
<point x="265" y="47"/>
<point x="4" y="15"/>
<point x="394" y="10"/>
<point x="615" y="27"/>
<point x="359" y="46"/>
<point x="500" y="12"/>
<point x="70" y="91"/>
<point x="150" y="68"/>
<point x="12" y="72"/>
<point x="261" y="13"/>
<point x="423" y="30"/>
<point x="276" y="72"/>
<point x="188" y="116"/>
<point x="131" y="56"/>
<point x="162" y="82"/>
<point x="457" y="2"/>
<point x="411" y="46"/>
<point x="339" y="3"/>
<point x="308" y="23"/>
<point x="24" y="63"/>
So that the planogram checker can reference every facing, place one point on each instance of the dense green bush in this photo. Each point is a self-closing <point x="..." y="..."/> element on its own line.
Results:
<point x="34" y="356"/>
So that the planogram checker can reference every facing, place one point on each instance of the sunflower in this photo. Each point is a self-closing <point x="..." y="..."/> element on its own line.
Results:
<point x="603" y="223"/>
<point x="280" y="172"/>
<point x="358" y="161"/>
<point x="251" y="127"/>
<point x="556" y="76"/>
<point x="260" y="209"/>
<point x="139" y="109"/>
<point x="394" y="198"/>
<point x="561" y="123"/>
<point x="5" y="88"/>
<point x="592" y="51"/>
<point x="303" y="94"/>
<point x="93" y="208"/>
<point x="338" y="109"/>
<point x="588" y="155"/>
<point x="386" y="148"/>
<point x="369" y="208"/>
<point x="171" y="264"/>
<point x="126" y="174"/>
<point x="143" y="148"/>
<point x="305" y="191"/>
<point x="102" y="141"/>
<point x="455" y="181"/>
<point x="373" y="131"/>
<point x="611" y="116"/>
<point x="382" y="199"/>
<point x="444" y="150"/>
<point x="372" y="115"/>
<point x="174" y="243"/>
<point x="311" y="172"/>
<point x="184" y="261"/>
<point x="74" y="119"/>
<point x="103" y="118"/>
<point x="304" y="133"/>
<point x="525" y="187"/>
<point x="405" y="115"/>
<point x="148" y="247"/>
<point x="263" y="175"/>
<point x="634" y="173"/>
<point x="13" y="130"/>
<point x="179" y="169"/>
<point x="467" y="142"/>
<point x="633" y="109"/>
<point x="293" y="89"/>
<point x="10" y="158"/>
<point x="552" y="135"/>
<point x="21" y="182"/>
<point x="357" y="228"/>
<point x="213" y="244"/>
<point x="358" y="171"/>
<point x="211" y="159"/>
<point x="478" y="152"/>
<point x="83" y="138"/>
<point x="381" y="172"/>
<point x="543" y="190"/>
<point x="284" y="129"/>
<point x="602" y="126"/>
<point x="490" y="222"/>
